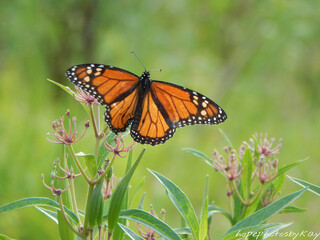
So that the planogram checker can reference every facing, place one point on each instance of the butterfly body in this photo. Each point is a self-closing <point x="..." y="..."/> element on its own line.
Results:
<point x="155" y="109"/>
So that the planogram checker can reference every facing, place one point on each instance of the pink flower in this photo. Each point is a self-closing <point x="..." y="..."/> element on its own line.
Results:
<point x="62" y="135"/>
<point x="84" y="97"/>
<point x="231" y="168"/>
<point x="119" y="146"/>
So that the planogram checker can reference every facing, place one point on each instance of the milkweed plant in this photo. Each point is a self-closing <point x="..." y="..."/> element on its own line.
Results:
<point x="251" y="172"/>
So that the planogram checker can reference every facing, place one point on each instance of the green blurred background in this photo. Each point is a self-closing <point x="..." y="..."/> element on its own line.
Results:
<point x="259" y="60"/>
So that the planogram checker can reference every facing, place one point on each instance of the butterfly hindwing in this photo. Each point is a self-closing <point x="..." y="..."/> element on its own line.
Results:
<point x="150" y="125"/>
<point x="113" y="87"/>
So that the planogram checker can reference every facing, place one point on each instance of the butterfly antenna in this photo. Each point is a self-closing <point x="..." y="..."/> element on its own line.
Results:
<point x="156" y="70"/>
<point x="139" y="60"/>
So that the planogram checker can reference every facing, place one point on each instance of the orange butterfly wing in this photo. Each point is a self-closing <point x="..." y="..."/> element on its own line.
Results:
<point x="113" y="87"/>
<point x="167" y="107"/>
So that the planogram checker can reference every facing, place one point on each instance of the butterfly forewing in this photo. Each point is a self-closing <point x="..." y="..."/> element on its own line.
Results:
<point x="113" y="87"/>
<point x="184" y="106"/>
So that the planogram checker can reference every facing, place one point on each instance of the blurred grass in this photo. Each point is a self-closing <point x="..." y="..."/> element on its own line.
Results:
<point x="258" y="59"/>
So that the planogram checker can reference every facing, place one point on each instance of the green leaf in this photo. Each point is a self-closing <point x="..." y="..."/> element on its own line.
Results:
<point x="206" y="191"/>
<point x="265" y="213"/>
<point x="183" y="231"/>
<point x="214" y="209"/>
<point x="90" y="162"/>
<point x="253" y="207"/>
<point x="140" y="206"/>
<point x="199" y="154"/>
<point x="68" y="90"/>
<point x="95" y="205"/>
<point x="203" y="227"/>
<point x="118" y="232"/>
<point x="256" y="232"/>
<point x="277" y="184"/>
<point x="247" y="165"/>
<point x="36" y="201"/>
<point x="64" y="230"/>
<point x="268" y="232"/>
<point x="289" y="166"/>
<point x="50" y="214"/>
<point x="226" y="137"/>
<point x="237" y="205"/>
<point x="181" y="202"/>
<point x="3" y="237"/>
<point x="293" y="209"/>
<point x="118" y="195"/>
<point x="136" y="191"/>
<point x="132" y="235"/>
<point x="311" y="187"/>
<point x="150" y="221"/>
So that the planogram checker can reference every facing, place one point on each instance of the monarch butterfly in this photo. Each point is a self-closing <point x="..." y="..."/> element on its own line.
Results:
<point x="155" y="109"/>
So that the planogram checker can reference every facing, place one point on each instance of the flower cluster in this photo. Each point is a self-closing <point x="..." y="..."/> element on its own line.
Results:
<point x="230" y="167"/>
<point x="149" y="234"/>
<point x="64" y="136"/>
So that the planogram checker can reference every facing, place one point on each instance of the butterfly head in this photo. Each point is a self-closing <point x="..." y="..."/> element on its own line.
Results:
<point x="145" y="79"/>
<point x="145" y="74"/>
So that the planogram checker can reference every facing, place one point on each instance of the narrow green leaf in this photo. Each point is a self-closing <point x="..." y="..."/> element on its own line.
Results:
<point x="68" y="90"/>
<point x="203" y="227"/>
<point x="3" y="237"/>
<point x="131" y="234"/>
<point x="118" y="195"/>
<point x="311" y="187"/>
<point x="129" y="162"/>
<point x="136" y="191"/>
<point x="293" y="209"/>
<point x="90" y="161"/>
<point x="95" y="205"/>
<point x="253" y="208"/>
<point x="199" y="154"/>
<point x="265" y="213"/>
<point x="118" y="232"/>
<point x="247" y="165"/>
<point x="289" y="166"/>
<point x="270" y="231"/>
<point x="150" y="221"/>
<point x="206" y="191"/>
<point x="277" y="184"/>
<point x="140" y="206"/>
<point x="183" y="231"/>
<point x="36" y="201"/>
<point x="237" y="204"/>
<point x="226" y="137"/>
<point x="50" y="214"/>
<point x="256" y="232"/>
<point x="181" y="202"/>
<point x="214" y="209"/>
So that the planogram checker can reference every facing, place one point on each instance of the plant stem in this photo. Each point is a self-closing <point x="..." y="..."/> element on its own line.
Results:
<point x="79" y="165"/>
<point x="95" y="127"/>
<point x="74" y="201"/>
<point x="229" y="198"/>
<point x="85" y="223"/>
<point x="256" y="196"/>
<point x="105" y="172"/>
<point x="66" y="218"/>
<point x="238" y="194"/>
